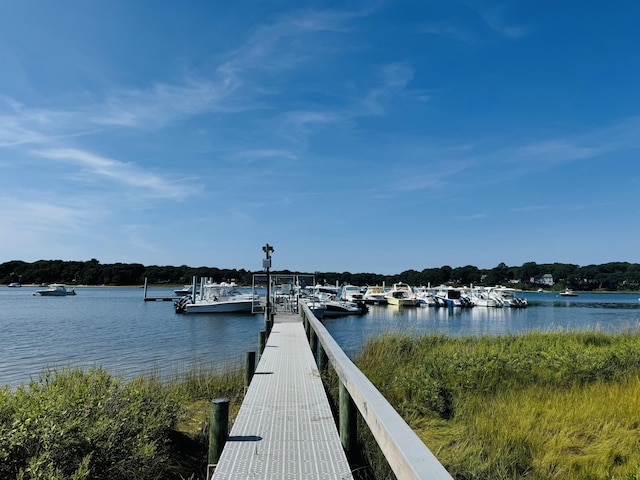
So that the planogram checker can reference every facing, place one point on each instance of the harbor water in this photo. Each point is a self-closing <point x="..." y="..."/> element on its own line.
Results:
<point x="114" y="328"/>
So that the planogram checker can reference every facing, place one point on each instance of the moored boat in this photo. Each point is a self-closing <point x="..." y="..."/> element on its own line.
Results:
<point x="508" y="296"/>
<point x="402" y="295"/>
<point x="453" y="297"/>
<point x="56" y="290"/>
<point x="217" y="298"/>
<point x="568" y="293"/>
<point x="181" y="292"/>
<point x="350" y="293"/>
<point x="374" y="295"/>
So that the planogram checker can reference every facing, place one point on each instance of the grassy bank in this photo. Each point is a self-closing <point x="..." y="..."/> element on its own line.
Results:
<point x="535" y="406"/>
<point x="72" y="424"/>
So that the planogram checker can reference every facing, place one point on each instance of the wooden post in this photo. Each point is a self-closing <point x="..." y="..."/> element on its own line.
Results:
<point x="249" y="367"/>
<point x="314" y="343"/>
<point x="348" y="422"/>
<point x="322" y="359"/>
<point x="218" y="428"/>
<point x="261" y="341"/>
<point x="268" y="327"/>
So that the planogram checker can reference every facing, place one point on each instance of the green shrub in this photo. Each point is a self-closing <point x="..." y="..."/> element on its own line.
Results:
<point x="72" y="424"/>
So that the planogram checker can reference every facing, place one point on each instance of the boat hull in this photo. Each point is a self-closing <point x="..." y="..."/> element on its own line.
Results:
<point x="219" y="307"/>
<point x="402" y="302"/>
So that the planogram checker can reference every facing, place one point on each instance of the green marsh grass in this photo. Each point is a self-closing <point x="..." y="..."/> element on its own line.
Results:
<point x="75" y="424"/>
<point x="554" y="405"/>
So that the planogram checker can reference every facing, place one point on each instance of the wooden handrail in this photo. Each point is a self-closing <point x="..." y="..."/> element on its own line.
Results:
<point x="407" y="455"/>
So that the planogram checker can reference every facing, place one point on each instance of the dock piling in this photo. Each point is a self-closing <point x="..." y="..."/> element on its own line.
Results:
<point x="218" y="428"/>
<point x="249" y="367"/>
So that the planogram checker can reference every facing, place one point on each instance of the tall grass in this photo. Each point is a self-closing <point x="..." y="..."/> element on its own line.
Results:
<point x="72" y="424"/>
<point x="537" y="406"/>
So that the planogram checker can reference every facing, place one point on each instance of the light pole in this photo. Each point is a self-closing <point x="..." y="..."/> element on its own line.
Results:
<point x="266" y="264"/>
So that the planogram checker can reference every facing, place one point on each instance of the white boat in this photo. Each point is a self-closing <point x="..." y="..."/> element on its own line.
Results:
<point x="351" y="293"/>
<point x="375" y="294"/>
<point x="426" y="297"/>
<point x="14" y="285"/>
<point x="453" y="297"/>
<point x="217" y="298"/>
<point x="56" y="290"/>
<point x="508" y="296"/>
<point x="181" y="292"/>
<point x="335" y="307"/>
<point x="317" y="308"/>
<point x="568" y="293"/>
<point x="402" y="295"/>
<point x="480" y="296"/>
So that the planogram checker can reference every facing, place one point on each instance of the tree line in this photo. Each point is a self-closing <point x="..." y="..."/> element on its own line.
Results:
<point x="614" y="276"/>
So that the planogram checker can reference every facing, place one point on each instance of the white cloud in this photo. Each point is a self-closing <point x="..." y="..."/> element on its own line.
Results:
<point x="118" y="172"/>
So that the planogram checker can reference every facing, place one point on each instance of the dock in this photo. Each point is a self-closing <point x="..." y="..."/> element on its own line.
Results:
<point x="285" y="427"/>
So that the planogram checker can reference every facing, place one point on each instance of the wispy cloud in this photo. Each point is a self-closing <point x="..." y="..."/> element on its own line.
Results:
<point x="116" y="171"/>
<point x="495" y="18"/>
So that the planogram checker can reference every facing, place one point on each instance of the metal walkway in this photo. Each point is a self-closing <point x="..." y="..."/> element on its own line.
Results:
<point x="285" y="428"/>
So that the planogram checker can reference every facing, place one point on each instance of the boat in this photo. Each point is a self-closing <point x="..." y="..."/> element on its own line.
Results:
<point x="508" y="296"/>
<point x="217" y="298"/>
<point x="335" y="307"/>
<point x="317" y="308"/>
<point x="339" y="308"/>
<point x="14" y="285"/>
<point x="568" y="293"/>
<point x="453" y="297"/>
<point x="481" y="297"/>
<point x="351" y="293"/>
<point x="56" y="290"/>
<point x="402" y="295"/>
<point x="374" y="295"/>
<point x="426" y="297"/>
<point x="186" y="290"/>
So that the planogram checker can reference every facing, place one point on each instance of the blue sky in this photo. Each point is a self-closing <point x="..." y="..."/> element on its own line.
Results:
<point x="352" y="136"/>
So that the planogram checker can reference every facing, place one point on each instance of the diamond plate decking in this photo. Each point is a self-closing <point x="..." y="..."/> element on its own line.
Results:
<point x="285" y="428"/>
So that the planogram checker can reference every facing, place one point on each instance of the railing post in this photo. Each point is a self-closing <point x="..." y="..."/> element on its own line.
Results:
<point x="322" y="359"/>
<point x="348" y="422"/>
<point x="218" y="428"/>
<point x="268" y="327"/>
<point x="261" y="341"/>
<point x="313" y="342"/>
<point x="249" y="367"/>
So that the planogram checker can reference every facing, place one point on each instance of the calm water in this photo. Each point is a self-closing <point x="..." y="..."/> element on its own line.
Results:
<point x="115" y="328"/>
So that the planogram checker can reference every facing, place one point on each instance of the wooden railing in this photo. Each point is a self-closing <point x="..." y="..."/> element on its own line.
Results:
<point x="407" y="455"/>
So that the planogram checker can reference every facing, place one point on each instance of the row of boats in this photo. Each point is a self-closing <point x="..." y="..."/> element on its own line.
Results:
<point x="443" y="296"/>
<point x="337" y="301"/>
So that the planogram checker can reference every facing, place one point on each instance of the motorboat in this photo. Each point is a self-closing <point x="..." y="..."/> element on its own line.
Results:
<point x="453" y="297"/>
<point x="426" y="297"/>
<point x="336" y="307"/>
<point x="186" y="290"/>
<point x="317" y="308"/>
<point x="14" y="285"/>
<point x="56" y="290"/>
<point x="402" y="295"/>
<point x="508" y="296"/>
<point x="481" y="297"/>
<point x="351" y="293"/>
<point x="339" y="308"/>
<point x="374" y="295"/>
<point x="568" y="293"/>
<point x="217" y="298"/>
